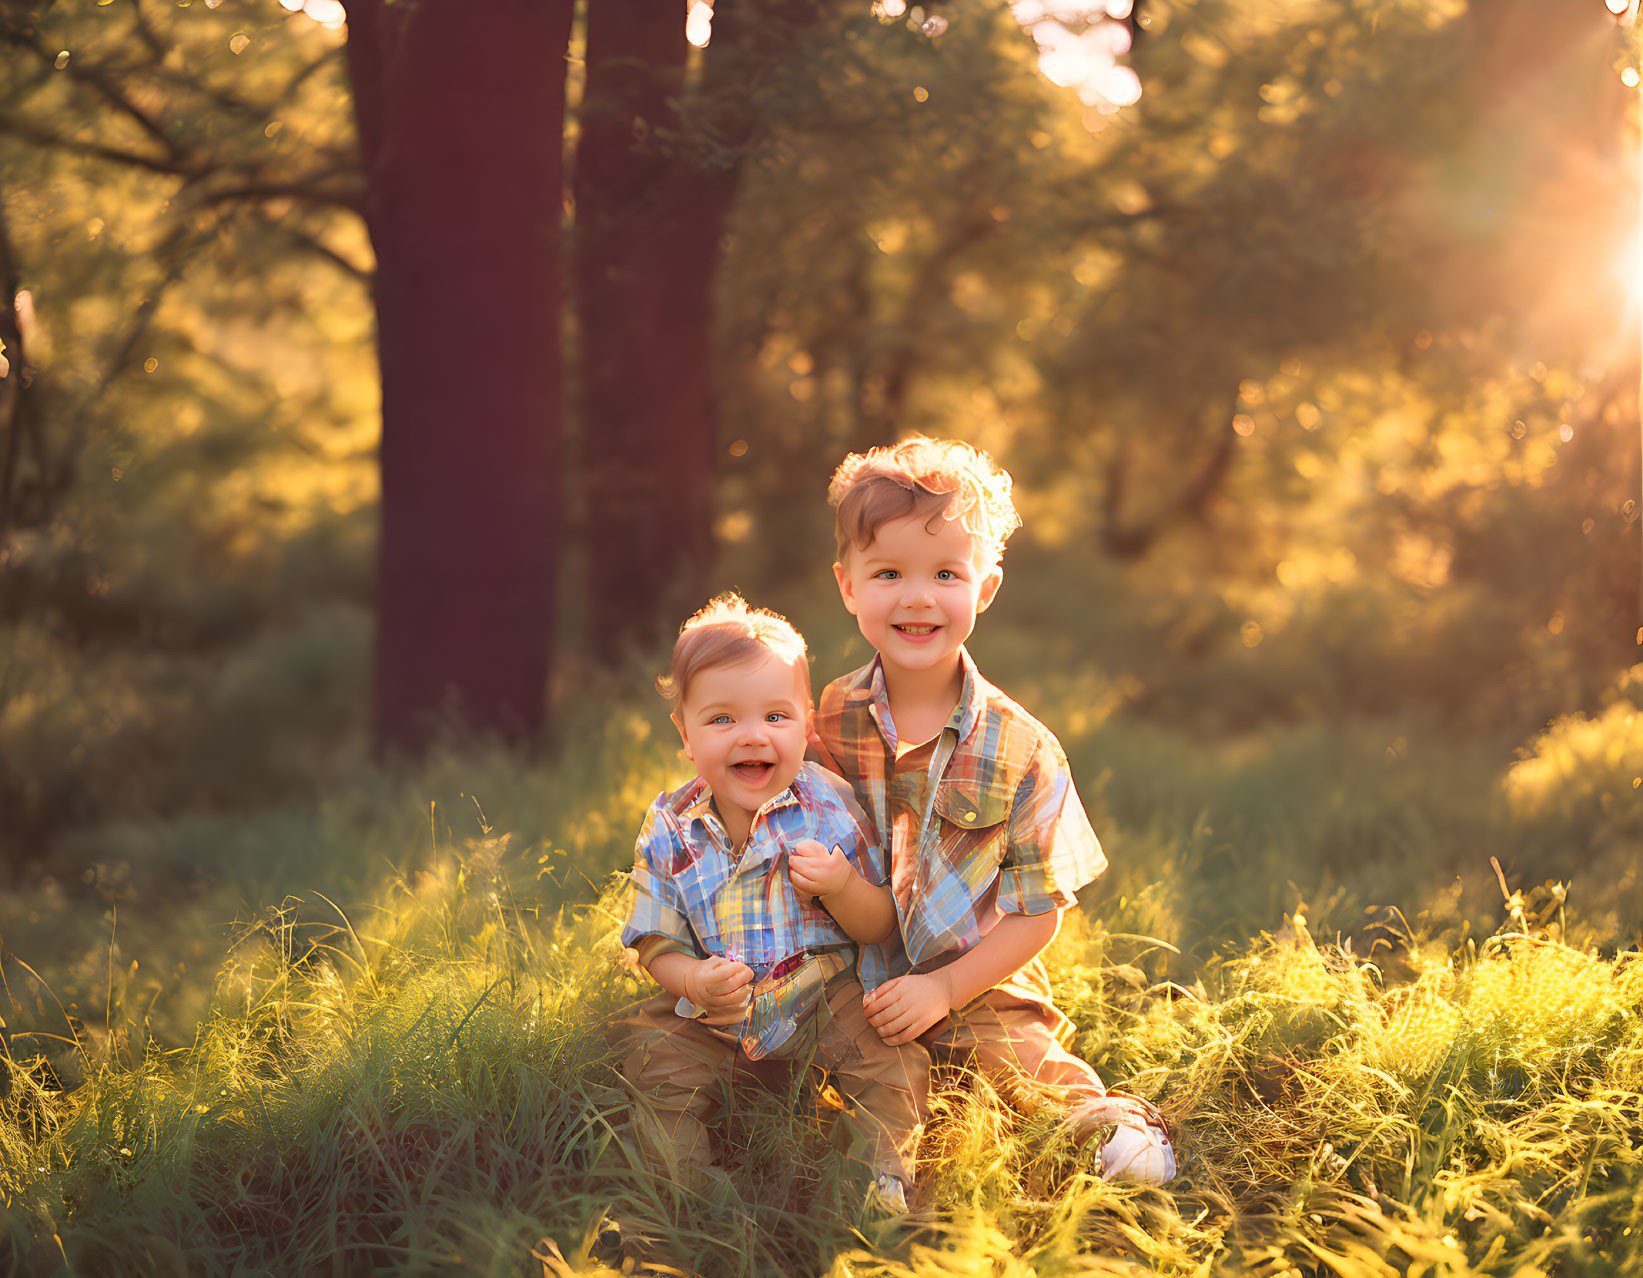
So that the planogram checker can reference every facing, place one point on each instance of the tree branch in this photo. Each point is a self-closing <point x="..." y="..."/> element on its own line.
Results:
<point x="174" y="251"/>
<point x="309" y="190"/>
<point x="96" y="76"/>
<point x="313" y="244"/>
<point x="1188" y="502"/>
<point x="171" y="165"/>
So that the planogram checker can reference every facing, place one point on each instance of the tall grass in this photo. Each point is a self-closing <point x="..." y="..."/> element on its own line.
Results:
<point x="406" y="1066"/>
<point x="426" y="1086"/>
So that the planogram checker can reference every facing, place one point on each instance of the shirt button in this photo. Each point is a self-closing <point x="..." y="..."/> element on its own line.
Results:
<point x="969" y="816"/>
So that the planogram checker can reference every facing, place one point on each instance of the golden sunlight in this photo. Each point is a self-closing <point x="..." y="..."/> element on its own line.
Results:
<point x="328" y="13"/>
<point x="699" y="24"/>
<point x="1078" y="47"/>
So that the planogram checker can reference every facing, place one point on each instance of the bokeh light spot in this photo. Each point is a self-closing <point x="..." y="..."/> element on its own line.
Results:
<point x="699" y="24"/>
<point x="328" y="13"/>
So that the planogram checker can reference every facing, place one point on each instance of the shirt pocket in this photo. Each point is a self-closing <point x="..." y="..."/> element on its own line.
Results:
<point x="971" y="805"/>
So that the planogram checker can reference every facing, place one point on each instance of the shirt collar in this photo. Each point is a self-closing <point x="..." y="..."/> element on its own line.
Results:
<point x="695" y="803"/>
<point x="870" y="692"/>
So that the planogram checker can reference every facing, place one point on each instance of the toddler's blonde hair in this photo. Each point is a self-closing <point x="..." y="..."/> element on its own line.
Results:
<point x="725" y="632"/>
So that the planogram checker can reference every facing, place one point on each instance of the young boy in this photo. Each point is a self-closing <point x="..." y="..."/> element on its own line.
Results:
<point x="971" y="795"/>
<point x="754" y="884"/>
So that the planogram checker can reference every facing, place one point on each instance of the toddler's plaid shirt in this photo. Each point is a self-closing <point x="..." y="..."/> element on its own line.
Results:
<point x="994" y="827"/>
<point x="693" y="895"/>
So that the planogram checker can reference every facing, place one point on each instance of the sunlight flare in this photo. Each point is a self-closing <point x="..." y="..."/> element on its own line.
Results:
<point x="1078" y="47"/>
<point x="699" y="24"/>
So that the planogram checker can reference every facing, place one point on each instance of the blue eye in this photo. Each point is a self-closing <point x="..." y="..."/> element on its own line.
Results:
<point x="946" y="574"/>
<point x="775" y="716"/>
<point x="720" y="718"/>
<point x="886" y="574"/>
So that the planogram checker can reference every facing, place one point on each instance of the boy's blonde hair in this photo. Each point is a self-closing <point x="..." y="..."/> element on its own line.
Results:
<point x="932" y="478"/>
<point x="724" y="633"/>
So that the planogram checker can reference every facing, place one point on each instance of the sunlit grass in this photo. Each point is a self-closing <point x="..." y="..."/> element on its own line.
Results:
<point x="426" y="1085"/>
<point x="420" y="1077"/>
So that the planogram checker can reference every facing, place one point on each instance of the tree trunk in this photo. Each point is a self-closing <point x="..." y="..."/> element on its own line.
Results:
<point x="650" y="210"/>
<point x="461" y="111"/>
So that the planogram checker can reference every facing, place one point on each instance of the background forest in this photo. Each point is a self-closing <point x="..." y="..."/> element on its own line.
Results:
<point x="381" y="382"/>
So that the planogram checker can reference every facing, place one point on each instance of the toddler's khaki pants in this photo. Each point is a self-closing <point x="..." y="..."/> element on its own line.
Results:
<point x="684" y="1069"/>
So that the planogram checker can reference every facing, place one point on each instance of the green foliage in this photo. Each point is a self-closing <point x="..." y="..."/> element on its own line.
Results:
<point x="1323" y="275"/>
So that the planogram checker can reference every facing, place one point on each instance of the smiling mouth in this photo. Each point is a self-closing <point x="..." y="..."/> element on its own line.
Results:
<point x="753" y="772"/>
<point x="916" y="631"/>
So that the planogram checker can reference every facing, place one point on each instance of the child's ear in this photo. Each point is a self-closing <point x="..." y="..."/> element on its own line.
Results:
<point x="989" y="587"/>
<point x="677" y="723"/>
<point x="847" y="588"/>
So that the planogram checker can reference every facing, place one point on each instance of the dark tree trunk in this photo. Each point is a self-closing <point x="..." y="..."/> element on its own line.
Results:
<point x="651" y="200"/>
<point x="461" y="113"/>
<point x="17" y="420"/>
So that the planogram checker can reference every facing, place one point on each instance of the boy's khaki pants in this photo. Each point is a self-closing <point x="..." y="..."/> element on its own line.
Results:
<point x="1018" y="1044"/>
<point x="684" y="1069"/>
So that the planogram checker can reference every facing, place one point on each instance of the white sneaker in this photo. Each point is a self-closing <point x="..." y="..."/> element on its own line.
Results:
<point x="1138" y="1153"/>
<point x="1139" y="1148"/>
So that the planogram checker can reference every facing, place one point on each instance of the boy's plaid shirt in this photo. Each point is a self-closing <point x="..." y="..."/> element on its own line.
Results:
<point x="692" y="895"/>
<point x="1005" y="832"/>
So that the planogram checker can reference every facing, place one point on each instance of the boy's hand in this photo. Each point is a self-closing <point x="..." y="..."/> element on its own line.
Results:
<point x="902" y="1009"/>
<point x="721" y="988"/>
<point x="815" y="871"/>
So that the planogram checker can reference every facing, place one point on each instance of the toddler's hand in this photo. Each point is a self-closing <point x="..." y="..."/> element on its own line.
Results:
<point x="902" y="1009"/>
<point x="721" y="988"/>
<point x="814" y="871"/>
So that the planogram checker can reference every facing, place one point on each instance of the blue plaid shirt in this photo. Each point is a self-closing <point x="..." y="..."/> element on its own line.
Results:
<point x="693" y="895"/>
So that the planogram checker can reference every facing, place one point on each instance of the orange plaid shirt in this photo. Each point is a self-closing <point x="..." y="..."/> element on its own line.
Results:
<point x="993" y="826"/>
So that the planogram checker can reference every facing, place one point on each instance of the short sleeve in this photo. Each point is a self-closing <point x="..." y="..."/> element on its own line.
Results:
<point x="657" y="909"/>
<point x="1052" y="851"/>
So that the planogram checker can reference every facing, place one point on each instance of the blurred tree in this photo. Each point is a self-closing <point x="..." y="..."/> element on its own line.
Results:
<point x="661" y="142"/>
<point x="185" y="466"/>
<point x="461" y="113"/>
<point x="22" y="444"/>
<point x="651" y="193"/>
